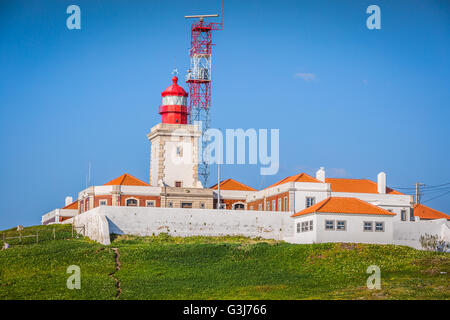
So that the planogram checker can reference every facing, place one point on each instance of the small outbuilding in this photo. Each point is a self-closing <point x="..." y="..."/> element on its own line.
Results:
<point x="342" y="219"/>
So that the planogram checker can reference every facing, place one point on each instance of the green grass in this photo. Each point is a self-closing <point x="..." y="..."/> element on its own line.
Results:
<point x="166" y="267"/>
<point x="38" y="271"/>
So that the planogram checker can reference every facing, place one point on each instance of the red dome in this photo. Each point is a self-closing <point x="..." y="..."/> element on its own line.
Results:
<point x="174" y="89"/>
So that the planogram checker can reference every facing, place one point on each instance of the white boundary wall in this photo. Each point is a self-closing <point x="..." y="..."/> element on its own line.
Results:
<point x="143" y="221"/>
<point x="94" y="224"/>
<point x="100" y="222"/>
<point x="408" y="233"/>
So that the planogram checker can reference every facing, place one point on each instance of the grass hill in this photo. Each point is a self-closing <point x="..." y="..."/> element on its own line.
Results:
<point x="164" y="267"/>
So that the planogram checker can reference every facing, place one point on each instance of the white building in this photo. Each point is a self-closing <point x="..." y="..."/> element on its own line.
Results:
<point x="323" y="209"/>
<point x="342" y="219"/>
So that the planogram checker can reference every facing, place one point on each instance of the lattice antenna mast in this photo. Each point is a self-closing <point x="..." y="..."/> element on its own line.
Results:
<point x="198" y="79"/>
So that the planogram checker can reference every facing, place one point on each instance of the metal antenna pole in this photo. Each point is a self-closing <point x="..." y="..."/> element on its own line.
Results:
<point x="218" y="180"/>
<point x="199" y="80"/>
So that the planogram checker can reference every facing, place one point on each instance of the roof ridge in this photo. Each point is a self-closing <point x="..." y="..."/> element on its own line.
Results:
<point x="351" y="179"/>
<point x="293" y="178"/>
<point x="244" y="185"/>
<point x="324" y="203"/>
<point x="234" y="181"/>
<point x="370" y="204"/>
<point x="120" y="180"/>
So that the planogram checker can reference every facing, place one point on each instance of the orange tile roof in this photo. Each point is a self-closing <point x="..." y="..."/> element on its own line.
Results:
<point x="73" y="205"/>
<point x="344" y="205"/>
<point x="231" y="184"/>
<point x="356" y="186"/>
<point x="424" y="212"/>
<point x="301" y="177"/>
<point x="126" y="180"/>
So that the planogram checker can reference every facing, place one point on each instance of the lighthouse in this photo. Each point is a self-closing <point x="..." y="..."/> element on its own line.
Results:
<point x="174" y="104"/>
<point x="174" y="143"/>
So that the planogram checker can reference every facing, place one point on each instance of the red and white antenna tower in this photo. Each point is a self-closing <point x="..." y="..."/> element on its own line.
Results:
<point x="198" y="79"/>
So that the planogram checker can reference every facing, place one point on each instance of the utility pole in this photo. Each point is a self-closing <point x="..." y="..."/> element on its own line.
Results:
<point x="218" y="180"/>
<point x="418" y="185"/>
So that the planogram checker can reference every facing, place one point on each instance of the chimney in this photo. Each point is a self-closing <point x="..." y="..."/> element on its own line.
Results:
<point x="69" y="200"/>
<point x="320" y="174"/>
<point x="381" y="182"/>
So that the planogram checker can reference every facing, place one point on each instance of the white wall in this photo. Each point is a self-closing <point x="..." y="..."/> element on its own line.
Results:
<point x="57" y="213"/>
<point x="409" y="233"/>
<point x="354" y="229"/>
<point x="178" y="168"/>
<point x="355" y="232"/>
<point x="308" y="236"/>
<point x="93" y="224"/>
<point x="143" y="221"/>
<point x="300" y="198"/>
<point x="233" y="194"/>
<point x="154" y="163"/>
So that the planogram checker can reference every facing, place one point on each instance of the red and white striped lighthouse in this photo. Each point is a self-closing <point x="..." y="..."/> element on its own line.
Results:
<point x="174" y="104"/>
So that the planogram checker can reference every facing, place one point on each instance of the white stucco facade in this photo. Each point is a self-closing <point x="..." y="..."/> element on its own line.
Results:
<point x="143" y="221"/>
<point x="174" y="155"/>
<point x="352" y="232"/>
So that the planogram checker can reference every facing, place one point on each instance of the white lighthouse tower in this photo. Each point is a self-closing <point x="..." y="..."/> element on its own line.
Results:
<point x="174" y="143"/>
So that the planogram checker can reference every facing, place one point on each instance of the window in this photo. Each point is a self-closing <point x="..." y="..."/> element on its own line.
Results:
<point x="311" y="225"/>
<point x="186" y="205"/>
<point x="379" y="226"/>
<point x="87" y="204"/>
<point x="329" y="224"/>
<point x="304" y="226"/>
<point x="178" y="184"/>
<point x="310" y="201"/>
<point x="103" y="202"/>
<point x="411" y="215"/>
<point x="403" y="215"/>
<point x="170" y="204"/>
<point x="279" y="204"/>
<point x="251" y="207"/>
<point x="180" y="151"/>
<point x="260" y="207"/>
<point x="202" y="205"/>
<point x="81" y="206"/>
<point x="341" y="225"/>
<point x="268" y="206"/>
<point x="239" y="206"/>
<point x="273" y="205"/>
<point x="285" y="204"/>
<point x="131" y="202"/>
<point x="368" y="226"/>
<point x="149" y="203"/>
<point x="298" y="227"/>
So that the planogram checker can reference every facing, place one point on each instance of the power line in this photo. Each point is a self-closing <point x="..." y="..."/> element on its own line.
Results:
<point x="436" y="190"/>
<point x="441" y="195"/>
<point x="440" y="185"/>
<point x="423" y="187"/>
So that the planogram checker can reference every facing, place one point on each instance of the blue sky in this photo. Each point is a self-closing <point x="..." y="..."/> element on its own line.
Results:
<point x="371" y="100"/>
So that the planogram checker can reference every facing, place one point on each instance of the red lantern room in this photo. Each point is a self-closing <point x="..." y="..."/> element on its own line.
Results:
<point x="174" y="104"/>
